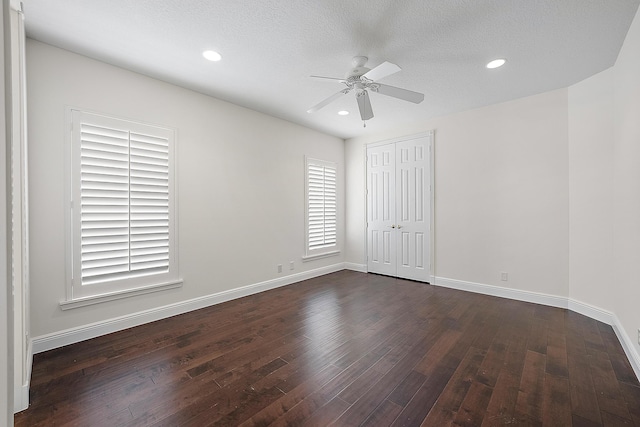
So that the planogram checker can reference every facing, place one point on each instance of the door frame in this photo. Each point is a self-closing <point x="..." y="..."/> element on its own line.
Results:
<point x="430" y="135"/>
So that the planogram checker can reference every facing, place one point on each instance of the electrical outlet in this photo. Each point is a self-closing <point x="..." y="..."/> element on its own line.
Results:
<point x="504" y="276"/>
<point x="279" y="268"/>
<point x="291" y="265"/>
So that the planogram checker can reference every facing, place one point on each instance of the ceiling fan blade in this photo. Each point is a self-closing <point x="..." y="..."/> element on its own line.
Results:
<point x="364" y="104"/>
<point x="383" y="70"/>
<point x="328" y="100"/>
<point x="404" y="94"/>
<point x="329" y="78"/>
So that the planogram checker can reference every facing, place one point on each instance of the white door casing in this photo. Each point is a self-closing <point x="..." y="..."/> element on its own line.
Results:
<point x="399" y="208"/>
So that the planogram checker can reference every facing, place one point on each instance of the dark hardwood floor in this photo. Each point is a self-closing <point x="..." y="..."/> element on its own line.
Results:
<point x="347" y="348"/>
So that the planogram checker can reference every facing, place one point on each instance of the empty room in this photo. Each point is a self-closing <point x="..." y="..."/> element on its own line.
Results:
<point x="415" y="213"/>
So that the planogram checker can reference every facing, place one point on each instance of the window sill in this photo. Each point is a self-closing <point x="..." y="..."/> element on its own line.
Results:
<point x="98" y="299"/>
<point x="319" y="256"/>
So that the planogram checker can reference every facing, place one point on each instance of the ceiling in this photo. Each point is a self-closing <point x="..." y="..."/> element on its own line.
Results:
<point x="270" y="49"/>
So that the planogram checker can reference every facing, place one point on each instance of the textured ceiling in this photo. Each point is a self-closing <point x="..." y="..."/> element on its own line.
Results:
<point x="271" y="47"/>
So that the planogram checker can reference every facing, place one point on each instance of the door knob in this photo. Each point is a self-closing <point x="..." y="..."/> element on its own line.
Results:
<point x="399" y="227"/>
<point x="393" y="226"/>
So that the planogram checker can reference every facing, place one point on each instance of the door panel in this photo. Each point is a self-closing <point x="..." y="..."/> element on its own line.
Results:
<point x="381" y="249"/>
<point x="420" y="255"/>
<point x="414" y="220"/>
<point x="399" y="212"/>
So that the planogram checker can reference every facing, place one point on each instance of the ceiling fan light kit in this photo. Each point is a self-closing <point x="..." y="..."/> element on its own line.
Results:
<point x="212" y="55"/>
<point x="496" y="63"/>
<point x="361" y="79"/>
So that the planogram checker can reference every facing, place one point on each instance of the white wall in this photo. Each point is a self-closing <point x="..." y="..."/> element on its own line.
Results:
<point x="501" y="194"/>
<point x="626" y="180"/>
<point x="604" y="145"/>
<point x="591" y="147"/>
<point x="240" y="177"/>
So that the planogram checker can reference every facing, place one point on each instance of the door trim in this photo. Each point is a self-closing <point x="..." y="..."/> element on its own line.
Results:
<point x="430" y="135"/>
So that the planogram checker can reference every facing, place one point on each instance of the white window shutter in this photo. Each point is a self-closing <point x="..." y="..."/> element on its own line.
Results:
<point x="104" y="203"/>
<point x="321" y="205"/>
<point x="123" y="205"/>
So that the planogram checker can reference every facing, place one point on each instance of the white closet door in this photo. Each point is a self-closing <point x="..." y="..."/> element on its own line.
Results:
<point x="412" y="209"/>
<point x="398" y="209"/>
<point x="381" y="187"/>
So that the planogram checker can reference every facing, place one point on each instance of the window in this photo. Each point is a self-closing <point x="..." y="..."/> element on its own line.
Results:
<point x="321" y="208"/>
<point x="122" y="208"/>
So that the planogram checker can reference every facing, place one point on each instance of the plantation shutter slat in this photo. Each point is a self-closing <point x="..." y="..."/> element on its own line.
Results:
<point x="124" y="204"/>
<point x="321" y="207"/>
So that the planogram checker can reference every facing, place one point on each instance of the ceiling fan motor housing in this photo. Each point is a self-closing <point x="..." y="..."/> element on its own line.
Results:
<point x="358" y="67"/>
<point x="356" y="72"/>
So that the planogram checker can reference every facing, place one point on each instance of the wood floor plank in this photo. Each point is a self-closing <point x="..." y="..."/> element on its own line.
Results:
<point x="474" y="405"/>
<point x="494" y="359"/>
<point x="416" y="411"/>
<point x="403" y="393"/>
<point x="346" y="348"/>
<point x="447" y="406"/>
<point x="610" y="339"/>
<point x="556" y="401"/>
<point x="196" y="398"/>
<point x="437" y="352"/>
<point x="381" y="388"/>
<point x="556" y="361"/>
<point x="501" y="409"/>
<point x="592" y="337"/>
<point x="501" y="406"/>
<point x="362" y="384"/>
<point x="326" y="414"/>
<point x="610" y="398"/>
<point x="631" y="395"/>
<point x="584" y="401"/>
<point x="319" y="395"/>
<point x="383" y="415"/>
<point x="278" y="408"/>
<point x="622" y="368"/>
<point x="613" y="420"/>
<point x="578" y="421"/>
<point x="530" y="395"/>
<point x="538" y="337"/>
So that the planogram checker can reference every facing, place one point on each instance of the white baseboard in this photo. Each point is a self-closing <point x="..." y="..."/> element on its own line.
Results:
<point x="20" y="398"/>
<point x="497" y="291"/>
<point x="591" y="311"/>
<point x="85" y="332"/>
<point x="21" y="391"/>
<point x="596" y="313"/>
<point x="362" y="268"/>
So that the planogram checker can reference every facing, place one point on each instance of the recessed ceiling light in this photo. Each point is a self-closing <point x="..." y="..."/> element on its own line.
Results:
<point x="212" y="55"/>
<point x="496" y="63"/>
<point x="343" y="112"/>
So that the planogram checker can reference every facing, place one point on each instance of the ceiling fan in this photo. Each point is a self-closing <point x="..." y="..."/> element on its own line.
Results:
<point x="361" y="80"/>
